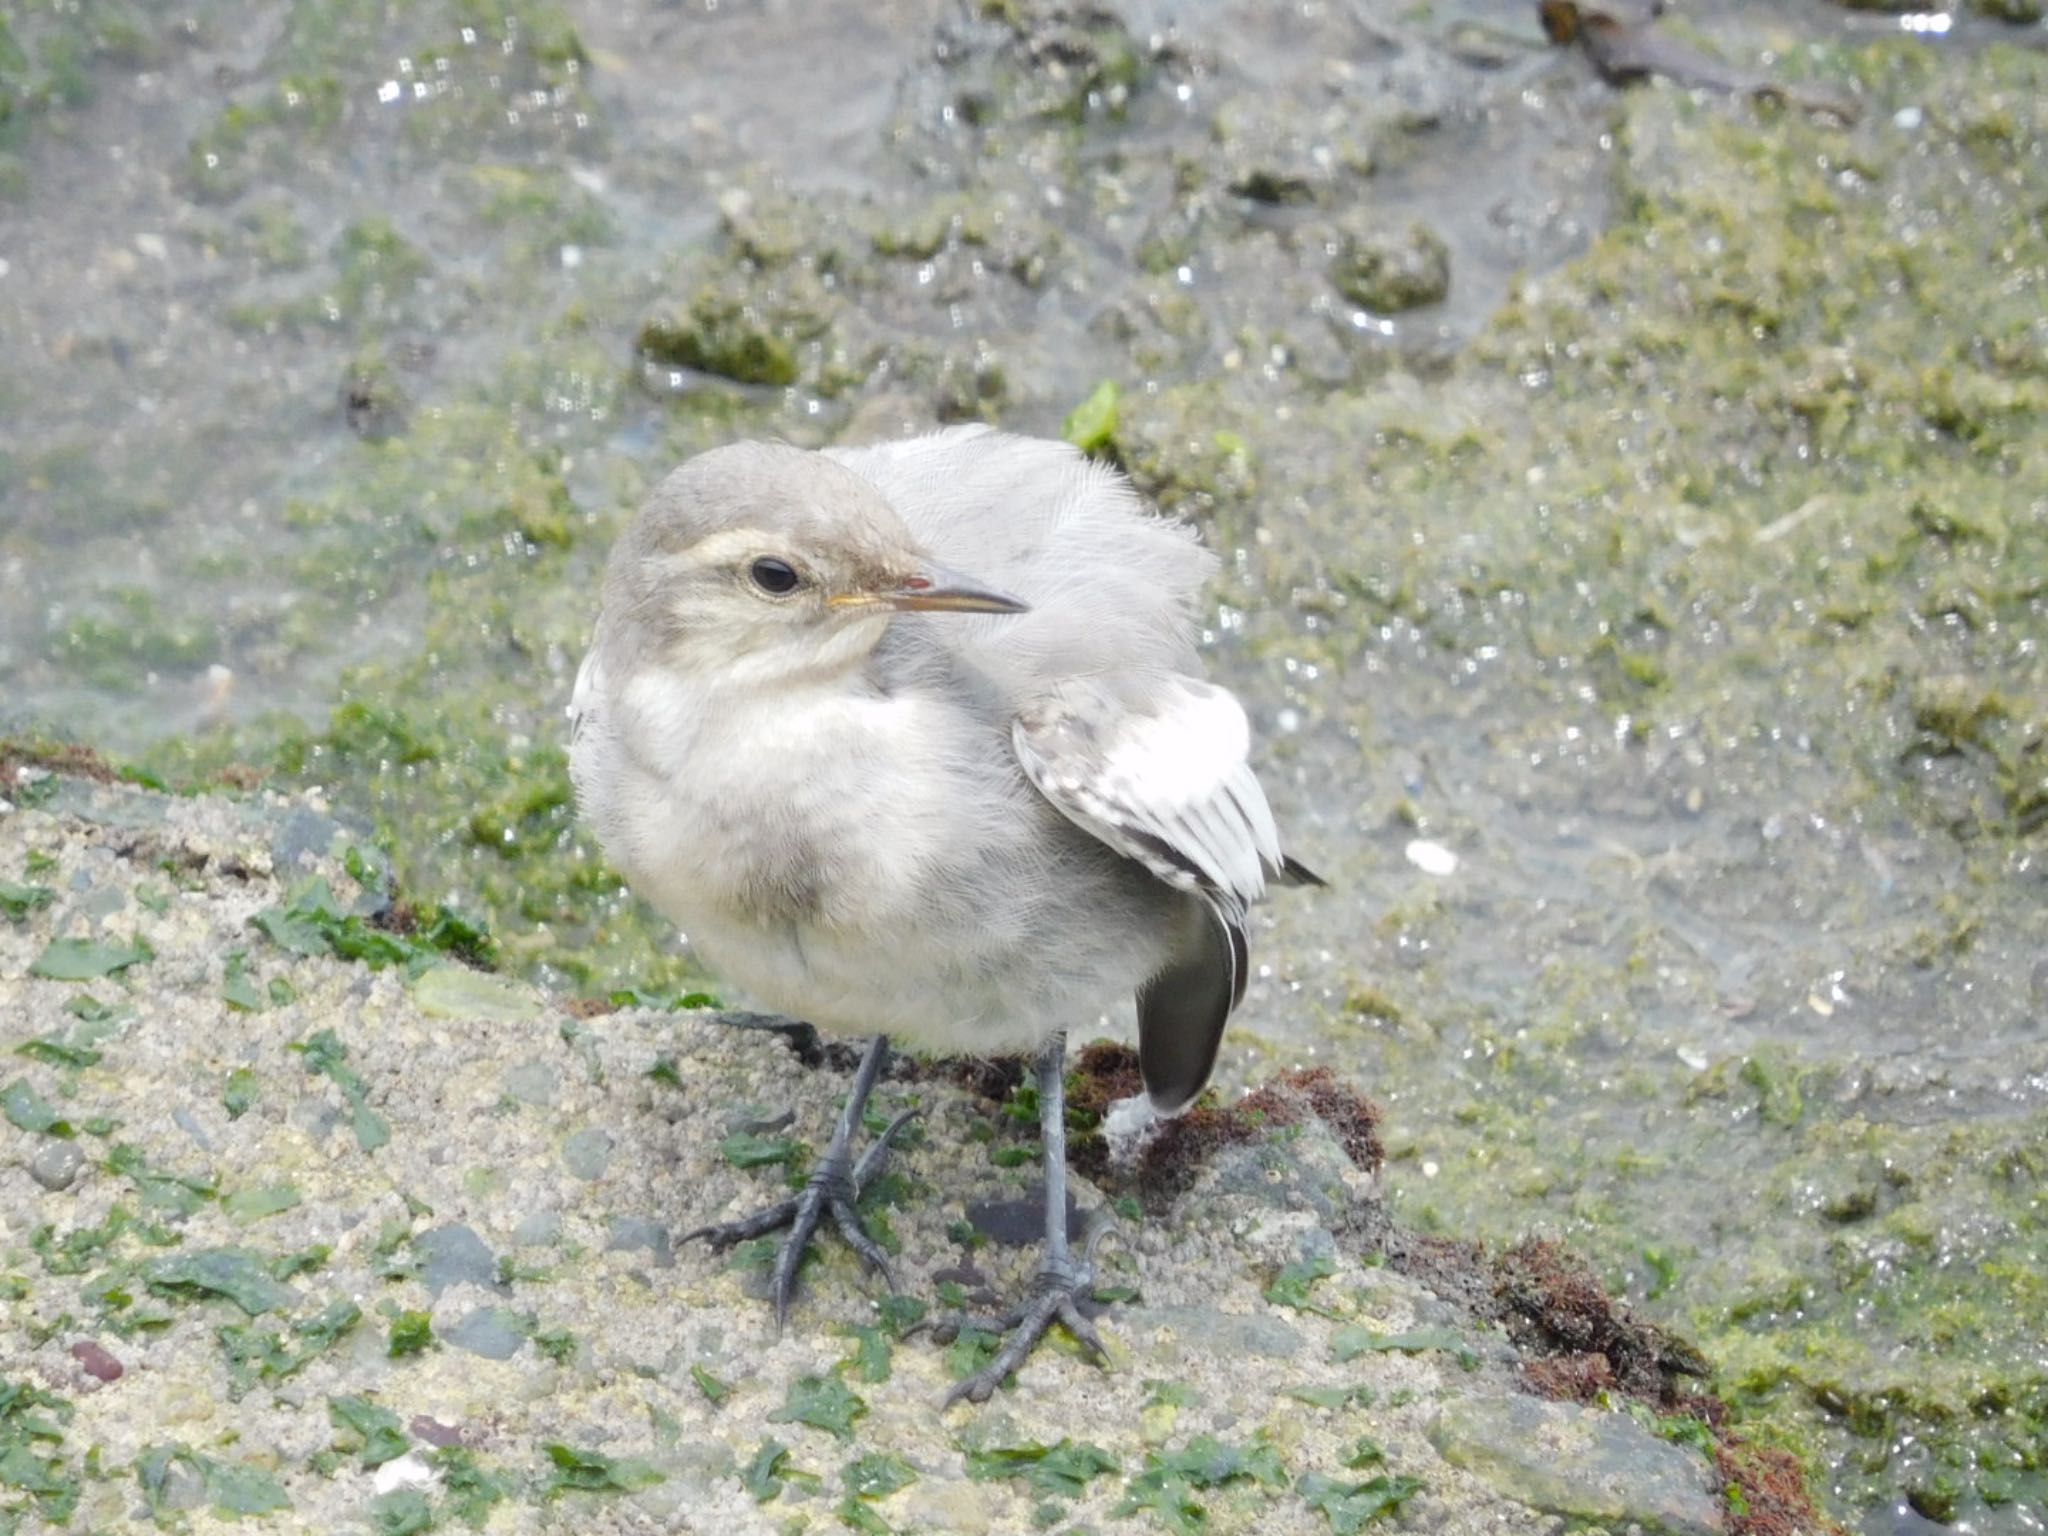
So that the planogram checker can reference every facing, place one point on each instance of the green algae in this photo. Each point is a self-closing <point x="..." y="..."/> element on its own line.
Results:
<point x="1388" y="273"/>
<point x="257" y="1354"/>
<point x="472" y="1487"/>
<point x="574" y="1470"/>
<point x="33" y="1462"/>
<point x="1355" y="1339"/>
<point x="1292" y="1285"/>
<point x="823" y="1402"/>
<point x="1091" y="425"/>
<point x="1165" y="1487"/>
<point x="235" y="1274"/>
<point x="715" y="1390"/>
<point x="1352" y="1506"/>
<point x="369" y="1430"/>
<point x="28" y="1110"/>
<point x="325" y="1056"/>
<point x="769" y="1472"/>
<point x="310" y="921"/>
<point x="720" y="336"/>
<point x="89" y="959"/>
<point x="232" y="1488"/>
<point x="1062" y="1470"/>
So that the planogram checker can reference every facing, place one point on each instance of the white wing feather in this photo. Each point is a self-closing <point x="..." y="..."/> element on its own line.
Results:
<point x="587" y="696"/>
<point x="1162" y="778"/>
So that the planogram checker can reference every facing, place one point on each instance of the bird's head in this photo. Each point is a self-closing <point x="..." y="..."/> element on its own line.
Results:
<point x="761" y="560"/>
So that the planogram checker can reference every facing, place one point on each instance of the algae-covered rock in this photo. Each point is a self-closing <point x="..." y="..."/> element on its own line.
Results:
<point x="1580" y="1463"/>
<point x="721" y="336"/>
<point x="1390" y="270"/>
<point x="456" y="992"/>
<point x="543" y="1349"/>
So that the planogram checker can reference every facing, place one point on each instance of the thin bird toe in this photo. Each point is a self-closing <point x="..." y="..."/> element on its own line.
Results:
<point x="877" y="1152"/>
<point x="870" y="1251"/>
<point x="722" y="1235"/>
<point x="1083" y="1330"/>
<point x="782" y="1286"/>
<point x="978" y="1388"/>
<point x="1055" y="1302"/>
<point x="947" y="1329"/>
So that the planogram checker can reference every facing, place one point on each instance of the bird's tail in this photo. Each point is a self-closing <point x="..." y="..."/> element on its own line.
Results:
<point x="1294" y="872"/>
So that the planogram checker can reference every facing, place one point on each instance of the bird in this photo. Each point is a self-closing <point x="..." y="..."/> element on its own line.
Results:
<point x="913" y="741"/>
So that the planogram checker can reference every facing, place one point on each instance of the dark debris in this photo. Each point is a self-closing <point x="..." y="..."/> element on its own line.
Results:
<point x="1105" y="1072"/>
<point x="1629" y="49"/>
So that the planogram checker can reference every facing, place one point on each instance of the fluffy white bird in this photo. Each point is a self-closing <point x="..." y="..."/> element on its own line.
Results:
<point x="892" y="799"/>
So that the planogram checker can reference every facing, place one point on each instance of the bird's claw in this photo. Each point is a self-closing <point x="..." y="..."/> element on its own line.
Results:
<point x="1055" y="1297"/>
<point x="832" y="1187"/>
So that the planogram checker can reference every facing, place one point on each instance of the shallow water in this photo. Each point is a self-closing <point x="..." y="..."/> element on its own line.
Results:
<point x="1680" y="574"/>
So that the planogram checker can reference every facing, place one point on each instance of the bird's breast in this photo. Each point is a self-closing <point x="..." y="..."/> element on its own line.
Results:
<point x="813" y="807"/>
<point x="869" y="863"/>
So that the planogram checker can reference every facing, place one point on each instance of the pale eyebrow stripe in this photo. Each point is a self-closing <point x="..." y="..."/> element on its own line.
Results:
<point x="730" y="545"/>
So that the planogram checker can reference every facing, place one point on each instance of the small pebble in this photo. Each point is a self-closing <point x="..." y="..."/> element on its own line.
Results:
<point x="454" y="1255"/>
<point x="588" y="1153"/>
<point x="495" y="1333"/>
<point x="97" y="1361"/>
<point x="533" y="1082"/>
<point x="537" y="1229"/>
<point x="631" y="1234"/>
<point x="1432" y="858"/>
<point x="56" y="1164"/>
<point x="434" y="1432"/>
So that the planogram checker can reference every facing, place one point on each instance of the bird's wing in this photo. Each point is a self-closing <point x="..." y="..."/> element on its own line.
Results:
<point x="1158" y="770"/>
<point x="587" y="696"/>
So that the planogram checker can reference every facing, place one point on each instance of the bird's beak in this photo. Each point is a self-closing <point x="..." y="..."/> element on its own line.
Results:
<point x="935" y="589"/>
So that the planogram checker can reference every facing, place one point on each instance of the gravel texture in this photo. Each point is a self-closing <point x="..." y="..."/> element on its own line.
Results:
<point x="397" y="1248"/>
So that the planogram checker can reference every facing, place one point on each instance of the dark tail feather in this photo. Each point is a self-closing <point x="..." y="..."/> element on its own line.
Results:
<point x="1294" y="872"/>
<point x="1183" y="1008"/>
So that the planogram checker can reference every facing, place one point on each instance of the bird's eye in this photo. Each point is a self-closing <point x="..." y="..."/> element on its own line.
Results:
<point x="777" y="578"/>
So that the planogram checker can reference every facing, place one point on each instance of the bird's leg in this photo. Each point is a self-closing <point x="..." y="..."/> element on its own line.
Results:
<point x="1062" y="1278"/>
<point x="834" y="1185"/>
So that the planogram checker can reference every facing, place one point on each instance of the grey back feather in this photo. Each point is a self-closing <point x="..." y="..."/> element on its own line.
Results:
<point x="1112" y="586"/>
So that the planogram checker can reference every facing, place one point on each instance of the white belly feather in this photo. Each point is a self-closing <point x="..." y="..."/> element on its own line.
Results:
<point x="816" y="851"/>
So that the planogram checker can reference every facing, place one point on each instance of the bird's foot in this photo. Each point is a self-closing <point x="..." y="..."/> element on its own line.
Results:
<point x="1056" y="1293"/>
<point x="834" y="1187"/>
